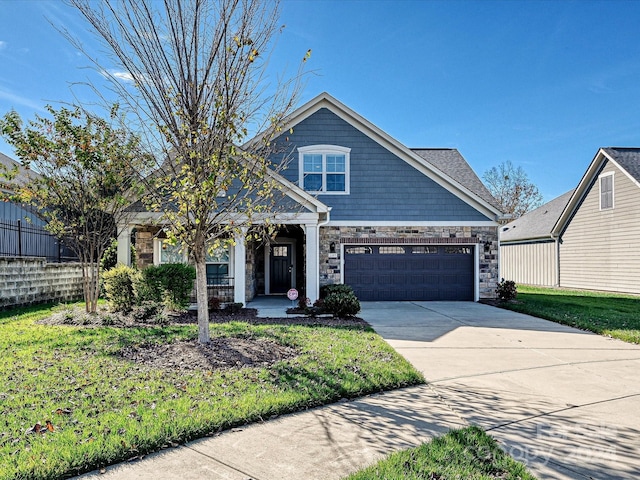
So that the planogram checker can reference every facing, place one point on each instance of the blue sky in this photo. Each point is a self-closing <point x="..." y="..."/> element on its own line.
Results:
<point x="542" y="84"/>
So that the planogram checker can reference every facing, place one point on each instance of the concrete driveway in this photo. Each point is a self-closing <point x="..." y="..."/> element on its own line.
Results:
<point x="564" y="401"/>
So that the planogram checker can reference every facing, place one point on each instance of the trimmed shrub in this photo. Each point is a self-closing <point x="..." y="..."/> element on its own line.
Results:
<point x="326" y="290"/>
<point x="341" y="304"/>
<point x="169" y="283"/>
<point x="119" y="287"/>
<point x="506" y="290"/>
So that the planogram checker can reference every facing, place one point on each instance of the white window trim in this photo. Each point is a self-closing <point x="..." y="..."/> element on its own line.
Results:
<point x="613" y="191"/>
<point x="324" y="150"/>
<point x="185" y="257"/>
<point x="157" y="250"/>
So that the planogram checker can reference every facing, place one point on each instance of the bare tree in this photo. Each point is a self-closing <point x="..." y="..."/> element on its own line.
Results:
<point x="511" y="186"/>
<point x="86" y="164"/>
<point x="197" y="71"/>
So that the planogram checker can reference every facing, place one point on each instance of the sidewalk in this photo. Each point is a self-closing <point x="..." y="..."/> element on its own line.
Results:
<point x="325" y="443"/>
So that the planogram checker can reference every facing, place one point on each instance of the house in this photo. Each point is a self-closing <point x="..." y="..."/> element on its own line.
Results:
<point x="392" y="222"/>
<point x="594" y="234"/>
<point x="528" y="250"/>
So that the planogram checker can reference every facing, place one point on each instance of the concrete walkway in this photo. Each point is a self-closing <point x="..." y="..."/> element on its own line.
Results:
<point x="564" y="401"/>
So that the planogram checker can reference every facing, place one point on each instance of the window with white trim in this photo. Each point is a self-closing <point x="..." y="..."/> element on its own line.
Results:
<point x="171" y="253"/>
<point x="218" y="263"/>
<point x="324" y="169"/>
<point x="606" y="191"/>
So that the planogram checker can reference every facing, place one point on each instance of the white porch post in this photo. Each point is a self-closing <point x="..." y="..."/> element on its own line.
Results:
<point x="124" y="246"/>
<point x="312" y="261"/>
<point x="239" y="268"/>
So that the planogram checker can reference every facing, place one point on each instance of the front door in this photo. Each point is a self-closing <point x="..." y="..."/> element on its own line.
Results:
<point x="281" y="268"/>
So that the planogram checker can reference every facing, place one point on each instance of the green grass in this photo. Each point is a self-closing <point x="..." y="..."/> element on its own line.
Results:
<point x="105" y="409"/>
<point x="468" y="454"/>
<point x="611" y="314"/>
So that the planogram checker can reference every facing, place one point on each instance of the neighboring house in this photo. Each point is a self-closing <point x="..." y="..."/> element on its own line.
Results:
<point x="392" y="222"/>
<point x="595" y="233"/>
<point x="22" y="231"/>
<point x="528" y="250"/>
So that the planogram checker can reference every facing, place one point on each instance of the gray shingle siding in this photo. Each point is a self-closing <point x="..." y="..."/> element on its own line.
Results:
<point x="383" y="187"/>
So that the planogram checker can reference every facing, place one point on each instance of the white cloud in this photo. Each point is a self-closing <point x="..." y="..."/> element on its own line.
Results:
<point x="14" y="99"/>
<point x="125" y="76"/>
<point x="3" y="44"/>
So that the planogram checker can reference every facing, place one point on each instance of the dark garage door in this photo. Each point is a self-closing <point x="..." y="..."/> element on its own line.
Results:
<point x="409" y="272"/>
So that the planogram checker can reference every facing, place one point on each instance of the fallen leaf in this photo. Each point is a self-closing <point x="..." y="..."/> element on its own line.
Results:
<point x="50" y="426"/>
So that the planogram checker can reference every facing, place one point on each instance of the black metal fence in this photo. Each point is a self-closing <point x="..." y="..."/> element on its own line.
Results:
<point x="20" y="239"/>
<point x="220" y="287"/>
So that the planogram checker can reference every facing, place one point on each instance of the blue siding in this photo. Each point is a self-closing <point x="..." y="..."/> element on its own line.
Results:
<point x="383" y="186"/>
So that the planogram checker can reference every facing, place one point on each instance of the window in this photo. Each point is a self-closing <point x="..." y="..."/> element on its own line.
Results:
<point x="458" y="250"/>
<point x="359" y="250"/>
<point x="391" y="250"/>
<point x="424" y="250"/>
<point x="218" y="266"/>
<point x="171" y="253"/>
<point x="324" y="169"/>
<point x="606" y="191"/>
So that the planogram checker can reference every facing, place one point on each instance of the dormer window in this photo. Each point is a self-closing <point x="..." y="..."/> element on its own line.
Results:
<point x="324" y="169"/>
<point x="606" y="191"/>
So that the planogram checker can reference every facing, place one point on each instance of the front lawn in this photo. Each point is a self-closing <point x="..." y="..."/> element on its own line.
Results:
<point x="610" y="314"/>
<point x="71" y="402"/>
<point x="467" y="454"/>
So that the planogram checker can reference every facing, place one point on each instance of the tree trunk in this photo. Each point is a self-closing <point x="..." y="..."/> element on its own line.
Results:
<point x="85" y="284"/>
<point x="203" y="304"/>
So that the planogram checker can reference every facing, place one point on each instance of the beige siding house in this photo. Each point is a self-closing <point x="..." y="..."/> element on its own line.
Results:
<point x="528" y="251"/>
<point x="586" y="238"/>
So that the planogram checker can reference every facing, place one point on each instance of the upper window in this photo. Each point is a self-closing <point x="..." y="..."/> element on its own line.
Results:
<point x="606" y="191"/>
<point x="324" y="169"/>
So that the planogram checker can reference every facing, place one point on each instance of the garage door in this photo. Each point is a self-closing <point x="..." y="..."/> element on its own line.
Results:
<point x="410" y="272"/>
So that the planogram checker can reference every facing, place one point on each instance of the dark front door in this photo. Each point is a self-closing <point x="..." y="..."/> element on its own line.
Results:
<point x="280" y="268"/>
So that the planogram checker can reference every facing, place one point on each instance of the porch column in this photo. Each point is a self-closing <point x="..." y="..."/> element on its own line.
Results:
<point x="124" y="246"/>
<point x="239" y="268"/>
<point x="312" y="262"/>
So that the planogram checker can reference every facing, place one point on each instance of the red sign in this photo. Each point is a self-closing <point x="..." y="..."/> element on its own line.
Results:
<point x="292" y="294"/>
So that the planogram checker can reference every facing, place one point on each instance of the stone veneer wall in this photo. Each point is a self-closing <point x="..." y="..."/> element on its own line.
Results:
<point x="28" y="280"/>
<point x="144" y="246"/>
<point x="486" y="237"/>
<point x="250" y="271"/>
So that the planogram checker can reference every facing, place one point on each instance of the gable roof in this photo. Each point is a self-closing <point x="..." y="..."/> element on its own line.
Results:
<point x="536" y="224"/>
<point x="626" y="159"/>
<point x="452" y="177"/>
<point x="452" y="163"/>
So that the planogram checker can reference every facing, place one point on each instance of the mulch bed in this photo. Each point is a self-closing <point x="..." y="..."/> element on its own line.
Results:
<point x="222" y="352"/>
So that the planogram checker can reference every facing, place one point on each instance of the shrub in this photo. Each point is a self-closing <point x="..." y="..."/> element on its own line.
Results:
<point x="119" y="287"/>
<point x="303" y="303"/>
<point x="341" y="304"/>
<point x="169" y="283"/>
<point x="326" y="290"/>
<point x="147" y="311"/>
<point x="506" y="290"/>
<point x="233" y="307"/>
<point x="214" y="303"/>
